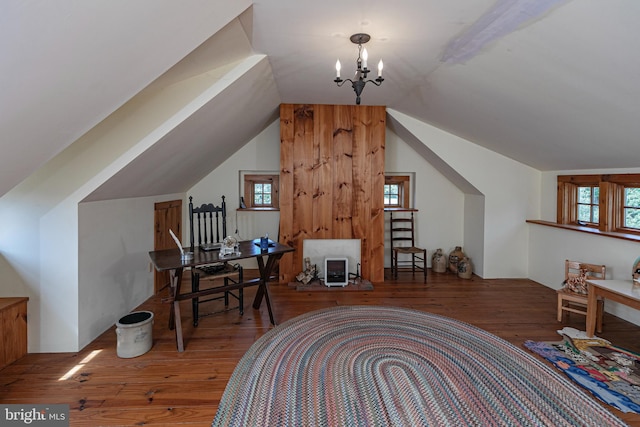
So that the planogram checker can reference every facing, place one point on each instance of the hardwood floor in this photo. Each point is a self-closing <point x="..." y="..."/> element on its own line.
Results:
<point x="164" y="387"/>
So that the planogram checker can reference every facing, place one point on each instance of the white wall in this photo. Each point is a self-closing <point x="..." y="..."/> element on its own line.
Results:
<point x="262" y="153"/>
<point x="440" y="203"/>
<point x="511" y="193"/>
<point x="114" y="241"/>
<point x="549" y="246"/>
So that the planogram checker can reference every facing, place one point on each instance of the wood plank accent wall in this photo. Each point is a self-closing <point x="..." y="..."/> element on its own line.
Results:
<point x="332" y="181"/>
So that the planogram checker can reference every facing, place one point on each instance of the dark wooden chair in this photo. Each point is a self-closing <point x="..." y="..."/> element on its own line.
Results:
<point x="208" y="228"/>
<point x="405" y="255"/>
<point x="570" y="301"/>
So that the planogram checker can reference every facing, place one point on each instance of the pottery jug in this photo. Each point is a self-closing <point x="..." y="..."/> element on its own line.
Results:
<point x="439" y="262"/>
<point x="465" y="269"/>
<point x="454" y="257"/>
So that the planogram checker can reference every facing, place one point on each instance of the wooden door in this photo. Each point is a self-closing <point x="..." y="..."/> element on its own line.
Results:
<point x="167" y="215"/>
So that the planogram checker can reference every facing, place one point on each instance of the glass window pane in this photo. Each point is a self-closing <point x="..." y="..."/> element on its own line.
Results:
<point x="596" y="195"/>
<point x="584" y="194"/>
<point x="632" y="218"/>
<point x="267" y="199"/>
<point x="257" y="199"/>
<point x="632" y="197"/>
<point x="596" y="214"/>
<point x="584" y="213"/>
<point x="266" y="188"/>
<point x="393" y="200"/>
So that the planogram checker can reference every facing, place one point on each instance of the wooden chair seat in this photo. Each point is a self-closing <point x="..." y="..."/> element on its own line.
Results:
<point x="409" y="250"/>
<point x="573" y="302"/>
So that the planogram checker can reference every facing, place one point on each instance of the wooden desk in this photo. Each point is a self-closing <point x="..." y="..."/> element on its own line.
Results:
<point x="622" y="291"/>
<point x="169" y="259"/>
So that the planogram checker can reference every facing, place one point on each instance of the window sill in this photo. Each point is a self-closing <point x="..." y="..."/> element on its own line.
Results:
<point x="589" y="230"/>
<point x="259" y="209"/>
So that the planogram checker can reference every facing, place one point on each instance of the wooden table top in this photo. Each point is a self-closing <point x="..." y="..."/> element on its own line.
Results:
<point x="625" y="288"/>
<point x="169" y="259"/>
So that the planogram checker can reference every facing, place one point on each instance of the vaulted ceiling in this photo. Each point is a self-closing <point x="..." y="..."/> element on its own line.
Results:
<point x="550" y="83"/>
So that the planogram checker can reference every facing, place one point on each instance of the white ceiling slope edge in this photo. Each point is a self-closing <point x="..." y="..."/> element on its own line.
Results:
<point x="555" y="85"/>
<point x="204" y="139"/>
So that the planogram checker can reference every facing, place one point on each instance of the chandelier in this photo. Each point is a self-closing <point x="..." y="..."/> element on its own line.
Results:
<point x="360" y="79"/>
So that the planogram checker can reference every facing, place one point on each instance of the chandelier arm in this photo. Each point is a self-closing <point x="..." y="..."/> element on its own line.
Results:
<point x="341" y="82"/>
<point x="377" y="81"/>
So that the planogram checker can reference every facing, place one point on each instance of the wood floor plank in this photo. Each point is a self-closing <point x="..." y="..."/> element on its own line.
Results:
<point x="167" y="388"/>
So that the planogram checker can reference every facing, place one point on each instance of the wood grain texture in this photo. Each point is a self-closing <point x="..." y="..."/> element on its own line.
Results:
<point x="286" y="188"/>
<point x="13" y="329"/>
<point x="167" y="388"/>
<point x="334" y="159"/>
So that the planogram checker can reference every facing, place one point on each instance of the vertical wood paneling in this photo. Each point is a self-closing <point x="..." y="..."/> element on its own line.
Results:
<point x="361" y="184"/>
<point x="342" y="173"/>
<point x="302" y="179"/>
<point x="377" y="150"/>
<point x="286" y="190"/>
<point x="332" y="181"/>
<point x="322" y="173"/>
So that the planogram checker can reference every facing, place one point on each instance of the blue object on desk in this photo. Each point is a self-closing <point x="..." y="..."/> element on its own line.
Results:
<point x="268" y="243"/>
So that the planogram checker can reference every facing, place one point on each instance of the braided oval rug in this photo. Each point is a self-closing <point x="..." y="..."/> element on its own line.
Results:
<point x="388" y="366"/>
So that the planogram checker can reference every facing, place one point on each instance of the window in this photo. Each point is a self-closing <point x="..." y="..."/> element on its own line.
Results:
<point x="631" y="208"/>
<point x="261" y="192"/>
<point x="588" y="204"/>
<point x="607" y="202"/>
<point x="392" y="193"/>
<point x="396" y="191"/>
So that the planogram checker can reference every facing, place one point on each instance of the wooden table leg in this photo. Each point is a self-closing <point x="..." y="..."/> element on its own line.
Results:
<point x="263" y="288"/>
<point x="176" y="279"/>
<point x="592" y="311"/>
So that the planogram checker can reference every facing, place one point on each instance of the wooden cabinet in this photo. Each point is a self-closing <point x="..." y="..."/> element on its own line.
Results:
<point x="13" y="329"/>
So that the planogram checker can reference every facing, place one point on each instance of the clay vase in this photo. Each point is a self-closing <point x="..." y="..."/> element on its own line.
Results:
<point x="454" y="257"/>
<point x="439" y="262"/>
<point x="465" y="269"/>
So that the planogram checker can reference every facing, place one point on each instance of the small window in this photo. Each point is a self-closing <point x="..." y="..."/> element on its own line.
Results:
<point x="588" y="204"/>
<point x="392" y="193"/>
<point x="632" y="208"/>
<point x="261" y="192"/>
<point x="396" y="191"/>
<point x="262" y="195"/>
<point x="609" y="203"/>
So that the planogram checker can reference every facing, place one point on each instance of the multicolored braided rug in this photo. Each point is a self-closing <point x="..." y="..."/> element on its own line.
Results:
<point x="387" y="366"/>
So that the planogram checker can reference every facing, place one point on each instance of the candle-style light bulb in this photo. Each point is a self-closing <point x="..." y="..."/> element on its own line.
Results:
<point x="365" y="55"/>
<point x="338" y="66"/>
<point x="380" y="65"/>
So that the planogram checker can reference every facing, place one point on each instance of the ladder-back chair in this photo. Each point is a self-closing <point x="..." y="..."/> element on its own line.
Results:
<point x="405" y="255"/>
<point x="208" y="228"/>
<point x="572" y="298"/>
